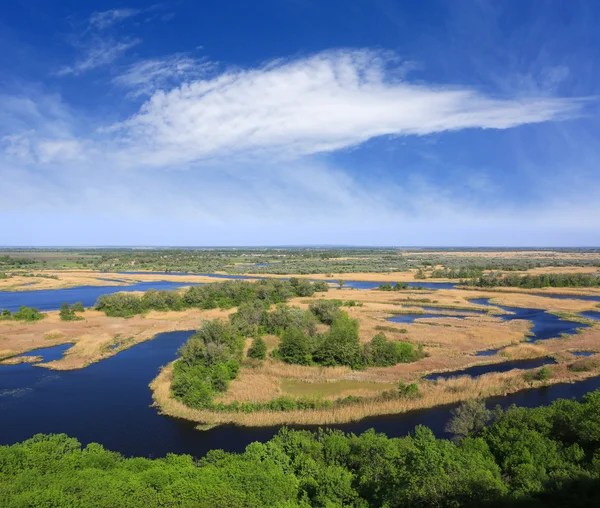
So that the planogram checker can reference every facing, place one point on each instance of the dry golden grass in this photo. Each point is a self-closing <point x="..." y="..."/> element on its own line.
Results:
<point x="433" y="394"/>
<point x="72" y="278"/>
<point x="93" y="336"/>
<point x="21" y="359"/>
<point x="523" y="352"/>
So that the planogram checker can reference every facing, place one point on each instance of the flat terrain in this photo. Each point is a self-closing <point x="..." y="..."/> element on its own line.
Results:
<point x="451" y="341"/>
<point x="94" y="338"/>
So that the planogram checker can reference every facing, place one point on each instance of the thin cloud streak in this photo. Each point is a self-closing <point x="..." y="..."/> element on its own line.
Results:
<point x="326" y="102"/>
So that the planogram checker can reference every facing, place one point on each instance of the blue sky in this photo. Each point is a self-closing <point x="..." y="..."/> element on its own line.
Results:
<point x="295" y="122"/>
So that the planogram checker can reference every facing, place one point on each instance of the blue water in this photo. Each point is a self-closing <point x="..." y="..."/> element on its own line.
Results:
<point x="479" y="370"/>
<point x="109" y="403"/>
<point x="488" y="352"/>
<point x="52" y="299"/>
<point x="48" y="354"/>
<point x="583" y="353"/>
<point x="437" y="309"/>
<point x="410" y="318"/>
<point x="592" y="314"/>
<point x="354" y="284"/>
<point x="545" y="325"/>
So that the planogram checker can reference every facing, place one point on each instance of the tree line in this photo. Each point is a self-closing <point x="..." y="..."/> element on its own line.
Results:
<point x="223" y="295"/>
<point x="212" y="357"/>
<point x="541" y="457"/>
<point x="555" y="280"/>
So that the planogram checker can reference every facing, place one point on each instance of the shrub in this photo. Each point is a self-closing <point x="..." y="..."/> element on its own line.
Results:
<point x="295" y="346"/>
<point x="326" y="310"/>
<point x="29" y="314"/>
<point x="584" y="365"/>
<point x="468" y="419"/>
<point x="258" y="349"/>
<point x="78" y="307"/>
<point x="68" y="314"/>
<point x="341" y="344"/>
<point x="383" y="353"/>
<point x="410" y="391"/>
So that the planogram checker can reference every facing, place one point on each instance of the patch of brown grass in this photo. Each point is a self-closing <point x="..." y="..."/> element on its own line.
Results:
<point x="523" y="352"/>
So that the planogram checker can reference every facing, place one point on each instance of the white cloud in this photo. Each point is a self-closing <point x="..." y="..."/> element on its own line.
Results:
<point x="99" y="52"/>
<point x="106" y="19"/>
<point x="322" y="103"/>
<point x="148" y="76"/>
<point x="241" y="149"/>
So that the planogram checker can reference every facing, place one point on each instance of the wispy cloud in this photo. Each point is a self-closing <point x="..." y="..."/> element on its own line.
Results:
<point x="104" y="19"/>
<point x="325" y="102"/>
<point x="98" y="52"/>
<point x="243" y="147"/>
<point x="98" y="43"/>
<point x="147" y="76"/>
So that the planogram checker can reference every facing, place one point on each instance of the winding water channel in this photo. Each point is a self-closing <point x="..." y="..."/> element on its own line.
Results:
<point x="109" y="402"/>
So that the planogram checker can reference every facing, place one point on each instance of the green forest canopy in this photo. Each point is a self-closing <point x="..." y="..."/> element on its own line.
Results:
<point x="547" y="456"/>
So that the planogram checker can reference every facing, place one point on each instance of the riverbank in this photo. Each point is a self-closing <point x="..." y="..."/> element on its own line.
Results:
<point x="94" y="338"/>
<point x="433" y="393"/>
<point x="452" y="341"/>
<point x="64" y="279"/>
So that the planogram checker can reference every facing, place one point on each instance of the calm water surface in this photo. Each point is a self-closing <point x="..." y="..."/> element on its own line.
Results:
<point x="52" y="299"/>
<point x="109" y="403"/>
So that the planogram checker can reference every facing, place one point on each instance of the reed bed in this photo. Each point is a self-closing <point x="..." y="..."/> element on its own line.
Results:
<point x="433" y="394"/>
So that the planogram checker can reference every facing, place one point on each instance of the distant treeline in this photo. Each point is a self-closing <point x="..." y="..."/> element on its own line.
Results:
<point x="212" y="357"/>
<point x="457" y="273"/>
<point x="308" y="260"/>
<point x="542" y="457"/>
<point x="210" y="296"/>
<point x="398" y="286"/>
<point x="555" y="280"/>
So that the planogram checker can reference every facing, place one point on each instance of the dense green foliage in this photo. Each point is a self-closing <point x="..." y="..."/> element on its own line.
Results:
<point x="284" y="260"/>
<point x="381" y="352"/>
<point x="547" y="456"/>
<point x="67" y="312"/>
<point x="555" y="280"/>
<point x="398" y="286"/>
<point x="457" y="273"/>
<point x="29" y="314"/>
<point x="258" y="349"/>
<point x="210" y="359"/>
<point x="210" y="296"/>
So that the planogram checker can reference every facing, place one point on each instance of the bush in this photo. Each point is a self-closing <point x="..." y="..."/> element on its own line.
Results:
<point x="258" y="349"/>
<point x="320" y="286"/>
<point x="29" y="314"/>
<point x="78" y="307"/>
<point x="295" y="346"/>
<point x="341" y="344"/>
<point x="326" y="310"/>
<point x="542" y="374"/>
<point x="469" y="419"/>
<point x="585" y="365"/>
<point x="68" y="314"/>
<point x="383" y="353"/>
<point x="410" y="391"/>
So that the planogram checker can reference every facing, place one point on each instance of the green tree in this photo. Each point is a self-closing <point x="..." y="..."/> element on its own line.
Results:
<point x="341" y="344"/>
<point x="295" y="347"/>
<point x="258" y="349"/>
<point x="468" y="419"/>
